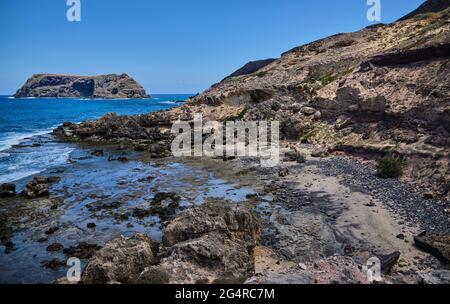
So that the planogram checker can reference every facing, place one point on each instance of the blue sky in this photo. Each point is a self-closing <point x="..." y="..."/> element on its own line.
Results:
<point x="169" y="46"/>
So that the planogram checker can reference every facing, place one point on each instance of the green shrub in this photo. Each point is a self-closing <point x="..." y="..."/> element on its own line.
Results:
<point x="275" y="107"/>
<point x="389" y="167"/>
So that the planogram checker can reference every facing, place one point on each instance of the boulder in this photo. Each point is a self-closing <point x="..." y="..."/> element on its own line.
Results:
<point x="7" y="190"/>
<point x="211" y="242"/>
<point x="320" y="152"/>
<point x="121" y="260"/>
<point x="294" y="155"/>
<point x="36" y="188"/>
<point x="343" y="122"/>
<point x="437" y="245"/>
<point x="213" y="216"/>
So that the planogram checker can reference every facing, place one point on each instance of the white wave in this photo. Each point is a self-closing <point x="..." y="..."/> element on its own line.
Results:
<point x="3" y="155"/>
<point x="17" y="138"/>
<point x="11" y="177"/>
<point x="167" y="102"/>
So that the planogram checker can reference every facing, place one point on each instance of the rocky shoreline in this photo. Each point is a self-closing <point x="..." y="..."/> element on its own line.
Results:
<point x="344" y="103"/>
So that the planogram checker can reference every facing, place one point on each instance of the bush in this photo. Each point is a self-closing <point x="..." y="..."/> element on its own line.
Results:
<point x="275" y="106"/>
<point x="389" y="167"/>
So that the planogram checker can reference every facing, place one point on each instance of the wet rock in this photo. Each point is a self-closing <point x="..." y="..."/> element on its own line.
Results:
<point x="122" y="260"/>
<point x="82" y="251"/>
<point x="437" y="245"/>
<point x="9" y="246"/>
<point x="55" y="247"/>
<point x="36" y="188"/>
<point x="7" y="190"/>
<point x="51" y="230"/>
<point x="54" y="264"/>
<point x="98" y="153"/>
<point x="91" y="225"/>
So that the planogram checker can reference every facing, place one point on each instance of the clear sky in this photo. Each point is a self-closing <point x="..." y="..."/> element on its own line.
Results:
<point x="169" y="46"/>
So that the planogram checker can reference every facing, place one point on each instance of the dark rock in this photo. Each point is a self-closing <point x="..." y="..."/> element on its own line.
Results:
<point x="437" y="245"/>
<point x="294" y="155"/>
<point x="153" y="275"/>
<point x="38" y="187"/>
<point x="51" y="230"/>
<point x="98" y="153"/>
<point x="91" y="225"/>
<point x="388" y="261"/>
<point x="251" y="68"/>
<point x="54" y="264"/>
<point x="7" y="190"/>
<point x="82" y="250"/>
<point x="283" y="172"/>
<point x="401" y="236"/>
<point x="55" y="247"/>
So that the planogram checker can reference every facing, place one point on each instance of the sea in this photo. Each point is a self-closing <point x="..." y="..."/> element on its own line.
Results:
<point x="26" y="144"/>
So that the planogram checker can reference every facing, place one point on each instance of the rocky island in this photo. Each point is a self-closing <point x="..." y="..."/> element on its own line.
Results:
<point x="68" y="86"/>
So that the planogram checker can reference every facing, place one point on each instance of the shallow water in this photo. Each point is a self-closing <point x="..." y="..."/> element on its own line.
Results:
<point x="95" y="190"/>
<point x="100" y="190"/>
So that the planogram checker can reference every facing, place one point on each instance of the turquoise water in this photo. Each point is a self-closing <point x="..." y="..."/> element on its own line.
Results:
<point x="26" y="146"/>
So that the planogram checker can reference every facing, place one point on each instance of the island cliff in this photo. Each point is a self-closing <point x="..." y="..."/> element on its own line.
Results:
<point x="67" y="86"/>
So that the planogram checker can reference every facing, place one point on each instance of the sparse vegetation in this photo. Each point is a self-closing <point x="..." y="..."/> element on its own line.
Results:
<point x="389" y="167"/>
<point x="275" y="106"/>
<point x="261" y="74"/>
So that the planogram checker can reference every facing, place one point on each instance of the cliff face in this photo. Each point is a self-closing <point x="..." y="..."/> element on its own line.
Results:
<point x="64" y="86"/>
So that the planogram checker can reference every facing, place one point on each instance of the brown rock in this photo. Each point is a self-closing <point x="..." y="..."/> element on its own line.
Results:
<point x="122" y="260"/>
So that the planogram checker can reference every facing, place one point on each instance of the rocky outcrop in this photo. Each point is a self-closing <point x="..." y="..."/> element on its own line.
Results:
<point x="430" y="6"/>
<point x="251" y="67"/>
<point x="7" y="190"/>
<point x="39" y="187"/>
<point x="212" y="242"/>
<point x="437" y="245"/>
<point x="66" y="86"/>
<point x="121" y="261"/>
<point x="201" y="245"/>
<point x="401" y="57"/>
